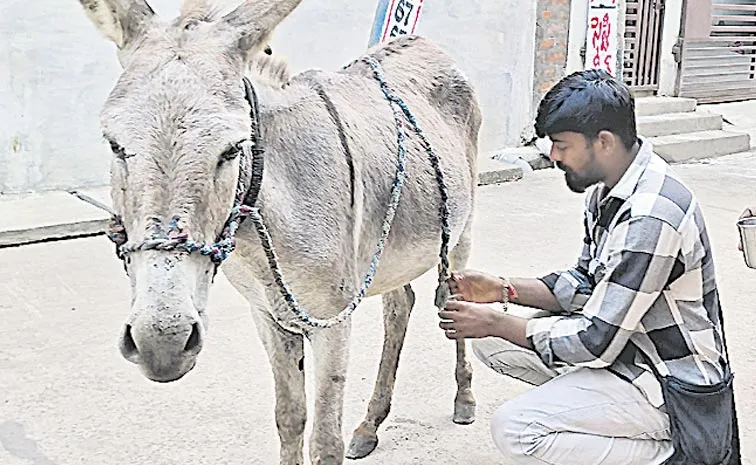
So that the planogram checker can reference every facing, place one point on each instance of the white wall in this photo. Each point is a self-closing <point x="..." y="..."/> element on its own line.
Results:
<point x="670" y="33"/>
<point x="493" y="40"/>
<point x="577" y="34"/>
<point x="56" y="70"/>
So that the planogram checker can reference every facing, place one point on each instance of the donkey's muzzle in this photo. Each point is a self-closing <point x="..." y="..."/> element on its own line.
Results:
<point x="163" y="352"/>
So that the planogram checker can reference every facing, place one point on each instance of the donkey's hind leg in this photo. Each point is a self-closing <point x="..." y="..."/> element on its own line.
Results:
<point x="397" y="306"/>
<point x="464" y="403"/>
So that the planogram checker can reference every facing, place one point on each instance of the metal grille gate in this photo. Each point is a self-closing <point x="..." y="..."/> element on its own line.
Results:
<point x="643" y="34"/>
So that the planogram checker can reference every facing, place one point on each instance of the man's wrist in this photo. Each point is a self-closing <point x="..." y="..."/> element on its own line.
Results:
<point x="508" y="292"/>
<point x="511" y="328"/>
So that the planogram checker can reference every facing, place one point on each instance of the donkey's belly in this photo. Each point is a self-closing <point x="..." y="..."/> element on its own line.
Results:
<point x="394" y="273"/>
<point x="414" y="246"/>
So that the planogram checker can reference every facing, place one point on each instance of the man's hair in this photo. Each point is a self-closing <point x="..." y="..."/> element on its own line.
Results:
<point x="588" y="102"/>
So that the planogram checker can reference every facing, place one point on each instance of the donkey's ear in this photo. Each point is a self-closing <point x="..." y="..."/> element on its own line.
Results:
<point x="254" y="21"/>
<point x="121" y="21"/>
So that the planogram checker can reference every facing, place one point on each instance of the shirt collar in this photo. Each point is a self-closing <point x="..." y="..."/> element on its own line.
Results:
<point x="629" y="180"/>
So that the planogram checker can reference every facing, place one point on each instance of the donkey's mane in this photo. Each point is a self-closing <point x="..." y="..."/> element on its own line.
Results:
<point x="269" y="70"/>
<point x="263" y="68"/>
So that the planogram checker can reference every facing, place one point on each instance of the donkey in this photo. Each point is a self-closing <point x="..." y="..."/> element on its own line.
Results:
<point x="176" y="120"/>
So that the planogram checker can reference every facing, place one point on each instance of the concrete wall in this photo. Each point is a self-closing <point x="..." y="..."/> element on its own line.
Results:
<point x="55" y="72"/>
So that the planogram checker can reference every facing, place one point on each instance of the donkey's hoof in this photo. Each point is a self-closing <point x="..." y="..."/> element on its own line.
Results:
<point x="327" y="460"/>
<point x="362" y="445"/>
<point x="464" y="414"/>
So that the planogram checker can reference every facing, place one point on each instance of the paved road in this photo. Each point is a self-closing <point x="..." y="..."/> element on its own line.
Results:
<point x="68" y="398"/>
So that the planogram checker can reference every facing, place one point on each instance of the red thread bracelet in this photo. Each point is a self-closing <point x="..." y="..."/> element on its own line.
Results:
<point x="511" y="292"/>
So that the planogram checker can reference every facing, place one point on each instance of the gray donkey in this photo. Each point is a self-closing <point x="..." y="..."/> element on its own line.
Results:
<point x="180" y="122"/>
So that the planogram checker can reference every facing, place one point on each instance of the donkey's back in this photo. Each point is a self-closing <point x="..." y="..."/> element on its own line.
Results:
<point x="417" y="67"/>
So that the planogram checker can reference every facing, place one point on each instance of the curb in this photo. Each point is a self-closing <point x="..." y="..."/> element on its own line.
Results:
<point x="49" y="216"/>
<point x="54" y="232"/>
<point x="529" y="157"/>
<point x="492" y="171"/>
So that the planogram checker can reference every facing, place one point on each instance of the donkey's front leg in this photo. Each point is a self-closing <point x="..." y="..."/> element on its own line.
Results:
<point x="286" y="353"/>
<point x="331" y="351"/>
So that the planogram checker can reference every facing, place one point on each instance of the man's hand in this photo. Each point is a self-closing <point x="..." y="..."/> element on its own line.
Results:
<point x="468" y="320"/>
<point x="473" y="320"/>
<point x="477" y="286"/>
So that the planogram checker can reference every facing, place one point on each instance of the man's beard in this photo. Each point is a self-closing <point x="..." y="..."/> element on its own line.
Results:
<point x="577" y="183"/>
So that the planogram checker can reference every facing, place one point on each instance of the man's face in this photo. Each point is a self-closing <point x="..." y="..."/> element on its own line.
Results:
<point x="576" y="156"/>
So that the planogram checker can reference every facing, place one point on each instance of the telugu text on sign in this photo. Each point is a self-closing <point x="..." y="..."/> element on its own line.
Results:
<point x="601" y="39"/>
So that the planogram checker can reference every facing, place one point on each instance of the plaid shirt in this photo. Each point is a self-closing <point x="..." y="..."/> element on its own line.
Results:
<point x="645" y="279"/>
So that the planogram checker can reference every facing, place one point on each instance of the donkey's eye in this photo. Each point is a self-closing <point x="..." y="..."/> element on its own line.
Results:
<point x="231" y="153"/>
<point x="118" y="151"/>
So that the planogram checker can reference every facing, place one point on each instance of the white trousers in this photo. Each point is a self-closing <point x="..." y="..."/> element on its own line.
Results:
<point x="574" y="415"/>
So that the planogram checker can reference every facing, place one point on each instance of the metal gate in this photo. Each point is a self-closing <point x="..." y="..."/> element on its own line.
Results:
<point x="643" y="35"/>
<point x="716" y="51"/>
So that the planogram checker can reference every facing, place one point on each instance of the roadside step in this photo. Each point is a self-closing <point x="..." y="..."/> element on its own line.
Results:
<point x="678" y="123"/>
<point x="700" y="144"/>
<point x="649" y="106"/>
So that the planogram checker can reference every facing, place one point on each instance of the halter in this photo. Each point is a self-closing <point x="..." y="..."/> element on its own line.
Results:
<point x="248" y="190"/>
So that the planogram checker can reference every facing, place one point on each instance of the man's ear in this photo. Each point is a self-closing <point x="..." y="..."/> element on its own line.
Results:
<point x="607" y="142"/>
<point x="121" y="21"/>
<point x="252" y="22"/>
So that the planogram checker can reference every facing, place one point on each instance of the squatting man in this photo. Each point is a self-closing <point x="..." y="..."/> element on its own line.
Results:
<point x="646" y="264"/>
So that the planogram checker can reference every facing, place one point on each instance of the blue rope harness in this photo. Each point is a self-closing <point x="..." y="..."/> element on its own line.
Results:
<point x="244" y="206"/>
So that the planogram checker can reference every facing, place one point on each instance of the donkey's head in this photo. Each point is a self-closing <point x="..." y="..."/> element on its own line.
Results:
<point x="174" y="121"/>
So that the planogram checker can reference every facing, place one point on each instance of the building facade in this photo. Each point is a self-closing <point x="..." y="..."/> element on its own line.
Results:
<point x="56" y="71"/>
<point x="674" y="55"/>
<point x="702" y="49"/>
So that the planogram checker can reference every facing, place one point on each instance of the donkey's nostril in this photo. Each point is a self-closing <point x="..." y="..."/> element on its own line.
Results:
<point x="128" y="341"/>
<point x="128" y="347"/>
<point x="194" y="341"/>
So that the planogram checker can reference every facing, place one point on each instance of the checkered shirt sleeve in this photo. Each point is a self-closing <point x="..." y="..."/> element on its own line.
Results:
<point x="642" y="252"/>
<point x="573" y="286"/>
